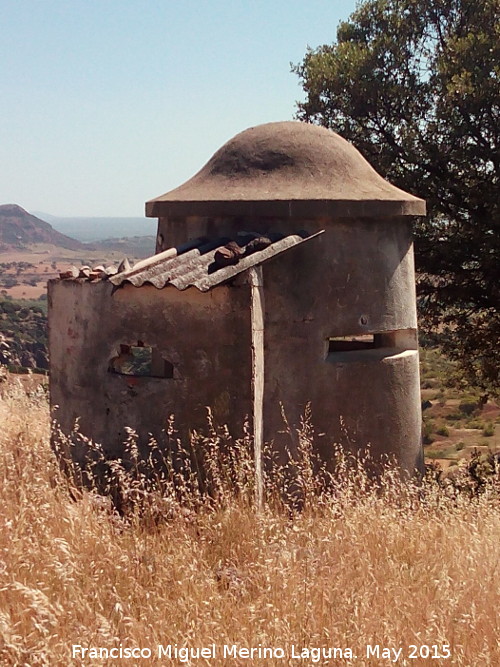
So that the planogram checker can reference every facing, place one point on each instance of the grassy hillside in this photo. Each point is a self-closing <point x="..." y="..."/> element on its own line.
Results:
<point x="394" y="567"/>
<point x="455" y="420"/>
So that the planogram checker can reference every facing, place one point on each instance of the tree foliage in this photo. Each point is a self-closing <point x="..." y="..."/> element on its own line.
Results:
<point x="414" y="84"/>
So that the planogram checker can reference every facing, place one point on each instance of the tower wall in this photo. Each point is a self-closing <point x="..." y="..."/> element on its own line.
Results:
<point x="206" y="337"/>
<point x="354" y="281"/>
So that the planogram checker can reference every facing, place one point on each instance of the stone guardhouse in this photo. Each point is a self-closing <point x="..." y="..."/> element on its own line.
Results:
<point x="283" y="277"/>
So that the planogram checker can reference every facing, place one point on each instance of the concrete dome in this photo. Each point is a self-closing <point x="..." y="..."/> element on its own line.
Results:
<point x="287" y="169"/>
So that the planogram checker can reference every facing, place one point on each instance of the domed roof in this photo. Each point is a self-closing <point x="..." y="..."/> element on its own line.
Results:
<point x="287" y="169"/>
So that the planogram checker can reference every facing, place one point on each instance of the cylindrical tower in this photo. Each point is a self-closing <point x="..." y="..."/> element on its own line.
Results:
<point x="340" y="331"/>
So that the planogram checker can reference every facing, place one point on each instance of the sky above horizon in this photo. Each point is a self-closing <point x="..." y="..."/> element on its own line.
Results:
<point x="109" y="103"/>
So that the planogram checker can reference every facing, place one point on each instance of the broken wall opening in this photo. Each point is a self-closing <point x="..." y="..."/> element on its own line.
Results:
<point x="140" y="360"/>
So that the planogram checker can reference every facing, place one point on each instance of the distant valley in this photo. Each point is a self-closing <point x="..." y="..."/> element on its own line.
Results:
<point x="33" y="250"/>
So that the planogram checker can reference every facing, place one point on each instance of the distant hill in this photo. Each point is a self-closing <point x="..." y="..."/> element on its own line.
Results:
<point x="130" y="246"/>
<point x="98" y="229"/>
<point x="19" y="229"/>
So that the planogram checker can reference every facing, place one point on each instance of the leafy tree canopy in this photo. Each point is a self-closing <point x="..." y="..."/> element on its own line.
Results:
<point x="414" y="84"/>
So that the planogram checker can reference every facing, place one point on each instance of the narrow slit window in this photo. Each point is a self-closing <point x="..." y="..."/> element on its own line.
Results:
<point x="351" y="343"/>
<point x="400" y="339"/>
<point x="141" y="361"/>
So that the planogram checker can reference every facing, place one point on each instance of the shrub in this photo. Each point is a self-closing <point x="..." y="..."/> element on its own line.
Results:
<point x="435" y="453"/>
<point x="468" y="407"/>
<point x="427" y="431"/>
<point x="442" y="400"/>
<point x="443" y="430"/>
<point x="489" y="430"/>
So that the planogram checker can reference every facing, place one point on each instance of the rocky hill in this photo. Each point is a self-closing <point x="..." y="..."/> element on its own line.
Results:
<point x="19" y="229"/>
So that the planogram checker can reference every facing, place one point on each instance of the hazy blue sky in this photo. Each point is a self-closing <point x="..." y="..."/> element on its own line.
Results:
<point x="108" y="103"/>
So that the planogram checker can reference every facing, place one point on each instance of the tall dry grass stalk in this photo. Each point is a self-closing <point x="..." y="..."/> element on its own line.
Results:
<point x="392" y="566"/>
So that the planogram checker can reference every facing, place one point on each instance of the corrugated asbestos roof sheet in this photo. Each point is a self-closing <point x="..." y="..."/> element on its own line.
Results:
<point x="205" y="263"/>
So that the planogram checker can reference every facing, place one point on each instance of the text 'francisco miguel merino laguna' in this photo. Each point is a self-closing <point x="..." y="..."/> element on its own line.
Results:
<point x="312" y="654"/>
<point x="187" y="654"/>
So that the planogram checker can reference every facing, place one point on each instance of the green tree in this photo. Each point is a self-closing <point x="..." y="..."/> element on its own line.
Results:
<point x="414" y="84"/>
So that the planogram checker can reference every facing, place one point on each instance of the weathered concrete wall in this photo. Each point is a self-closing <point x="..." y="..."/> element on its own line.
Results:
<point x="357" y="278"/>
<point x="176" y="231"/>
<point x="207" y="337"/>
<point x="365" y="265"/>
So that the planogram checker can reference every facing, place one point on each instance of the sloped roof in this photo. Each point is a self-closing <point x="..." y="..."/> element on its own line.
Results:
<point x="205" y="263"/>
<point x="288" y="169"/>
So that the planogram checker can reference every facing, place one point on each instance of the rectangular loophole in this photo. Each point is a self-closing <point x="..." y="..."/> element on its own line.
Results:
<point x="352" y="343"/>
<point x="399" y="339"/>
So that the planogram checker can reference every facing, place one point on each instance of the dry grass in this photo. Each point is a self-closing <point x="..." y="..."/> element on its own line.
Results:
<point x="391" y="567"/>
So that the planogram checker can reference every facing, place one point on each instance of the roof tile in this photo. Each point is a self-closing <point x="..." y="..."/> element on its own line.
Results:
<point x="206" y="263"/>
